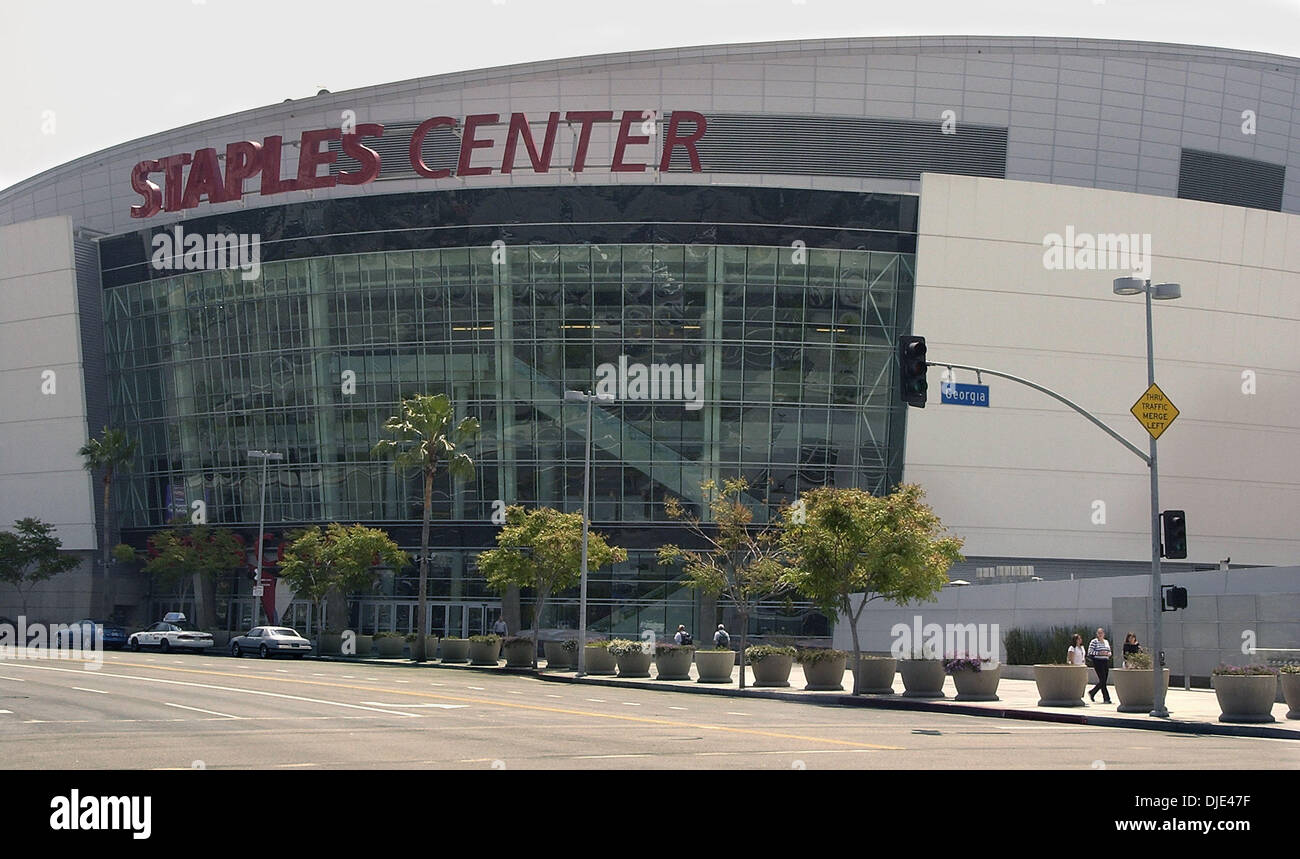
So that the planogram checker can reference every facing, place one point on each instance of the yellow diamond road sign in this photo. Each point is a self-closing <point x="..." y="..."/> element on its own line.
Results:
<point x="1154" y="411"/>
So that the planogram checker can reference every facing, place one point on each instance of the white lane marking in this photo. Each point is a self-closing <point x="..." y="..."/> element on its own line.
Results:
<point x="431" y="683"/>
<point x="597" y="700"/>
<point x="416" y="706"/>
<point x="676" y="708"/>
<point x="552" y="696"/>
<point x="731" y="713"/>
<point x="15" y="679"/>
<point x="630" y="704"/>
<point x="479" y="688"/>
<point x="398" y="681"/>
<point x="511" y="691"/>
<point x="194" y="685"/>
<point x="291" y="766"/>
<point x="10" y="712"/>
<point x="199" y="710"/>
<point x="349" y="677"/>
<point x="281" y="671"/>
<point x="84" y="689"/>
<point x="317" y="674"/>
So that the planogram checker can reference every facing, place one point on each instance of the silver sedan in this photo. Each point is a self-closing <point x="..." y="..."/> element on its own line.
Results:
<point x="268" y="641"/>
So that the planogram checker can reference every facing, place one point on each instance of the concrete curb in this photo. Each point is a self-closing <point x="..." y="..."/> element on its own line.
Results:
<point x="828" y="699"/>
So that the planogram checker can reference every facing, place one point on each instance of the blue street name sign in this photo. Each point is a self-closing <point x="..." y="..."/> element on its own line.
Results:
<point x="965" y="395"/>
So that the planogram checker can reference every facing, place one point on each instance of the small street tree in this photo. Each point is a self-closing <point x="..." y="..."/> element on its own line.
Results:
<point x="542" y="549"/>
<point x="337" y="560"/>
<point x="111" y="453"/>
<point x="739" y="562"/>
<point x="424" y="434"/>
<point x="30" y="554"/>
<point x="201" y="552"/>
<point x="847" y="541"/>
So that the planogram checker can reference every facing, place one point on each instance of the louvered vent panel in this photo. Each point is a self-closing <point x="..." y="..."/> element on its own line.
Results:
<point x="1230" y="180"/>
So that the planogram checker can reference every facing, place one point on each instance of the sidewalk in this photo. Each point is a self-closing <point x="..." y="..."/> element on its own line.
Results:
<point x="1195" y="711"/>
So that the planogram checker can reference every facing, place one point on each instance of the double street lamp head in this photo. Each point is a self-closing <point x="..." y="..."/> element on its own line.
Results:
<point x="580" y="397"/>
<point x="1136" y="285"/>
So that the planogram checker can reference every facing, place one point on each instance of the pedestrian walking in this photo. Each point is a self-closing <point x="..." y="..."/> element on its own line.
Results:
<point x="1075" y="655"/>
<point x="1131" y="646"/>
<point x="721" y="641"/>
<point x="1099" y="651"/>
<point x="682" y="636"/>
<point x="500" y="628"/>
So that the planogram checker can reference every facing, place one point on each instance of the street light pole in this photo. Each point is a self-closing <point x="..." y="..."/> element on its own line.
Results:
<point x="1161" y="292"/>
<point x="579" y="396"/>
<point x="266" y="456"/>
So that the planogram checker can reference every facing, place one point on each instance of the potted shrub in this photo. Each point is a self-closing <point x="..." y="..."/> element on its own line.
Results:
<point x="633" y="660"/>
<point x="1133" y="685"/>
<point x="484" y="649"/>
<point x="673" y="661"/>
<point x="455" y="650"/>
<point x="518" y="650"/>
<point x="1245" y="693"/>
<point x="922" y="677"/>
<point x="430" y="646"/>
<point x="875" y="674"/>
<point x="976" y="679"/>
<point x="365" y="644"/>
<point x="771" y="664"/>
<point x="330" y="643"/>
<point x="1061" y="685"/>
<point x="1290" y="678"/>
<point x="714" y="666"/>
<point x="390" y="644"/>
<point x="598" y="658"/>
<point x="823" y="669"/>
<point x="561" y="654"/>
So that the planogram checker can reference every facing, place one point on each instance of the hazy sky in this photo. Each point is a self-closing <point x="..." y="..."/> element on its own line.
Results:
<point x="79" y="77"/>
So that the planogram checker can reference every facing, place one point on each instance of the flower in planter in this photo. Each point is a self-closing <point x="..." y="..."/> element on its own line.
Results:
<point x="570" y="645"/>
<point x="812" y="656"/>
<point x="380" y="635"/>
<point x="624" y="646"/>
<point x="602" y="643"/>
<point x="485" y="639"/>
<point x="1139" y="661"/>
<point x="1289" y="669"/>
<point x="759" y="652"/>
<point x="516" y="639"/>
<point x="669" y="647"/>
<point x="1244" y="670"/>
<point x="963" y="663"/>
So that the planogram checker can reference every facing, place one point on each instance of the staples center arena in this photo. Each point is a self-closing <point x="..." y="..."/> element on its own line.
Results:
<point x="729" y="241"/>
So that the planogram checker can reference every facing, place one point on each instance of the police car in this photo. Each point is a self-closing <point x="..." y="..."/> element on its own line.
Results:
<point x="173" y="632"/>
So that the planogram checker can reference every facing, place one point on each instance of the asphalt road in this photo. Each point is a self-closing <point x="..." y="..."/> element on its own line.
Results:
<point x="182" y="711"/>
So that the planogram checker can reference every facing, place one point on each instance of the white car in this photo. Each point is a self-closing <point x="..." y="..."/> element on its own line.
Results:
<point x="268" y="641"/>
<point x="170" y="633"/>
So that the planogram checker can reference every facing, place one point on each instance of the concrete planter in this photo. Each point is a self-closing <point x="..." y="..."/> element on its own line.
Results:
<point x="390" y="647"/>
<point x="1061" y="685"/>
<point x="485" y="652"/>
<point x="430" y="647"/>
<point x="634" y="664"/>
<point x="519" y="655"/>
<point x="674" y="664"/>
<point x="557" y="657"/>
<point x="1291" y="692"/>
<point x="220" y="639"/>
<point x="876" y="676"/>
<point x="773" y="670"/>
<point x="826" y="675"/>
<point x="1245" y="698"/>
<point x="330" y="643"/>
<point x="714" y="666"/>
<point x="455" y="650"/>
<point x="979" y="685"/>
<point x="1133" y="687"/>
<point x="599" y="660"/>
<point x="365" y="645"/>
<point x="922" y="678"/>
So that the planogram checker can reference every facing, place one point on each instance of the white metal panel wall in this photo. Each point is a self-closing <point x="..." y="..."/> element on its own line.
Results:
<point x="1023" y="478"/>
<point x="40" y="472"/>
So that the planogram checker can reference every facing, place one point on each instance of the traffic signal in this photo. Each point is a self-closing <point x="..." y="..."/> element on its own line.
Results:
<point x="1176" y="599"/>
<point x="911" y="370"/>
<point x="1174" y="523"/>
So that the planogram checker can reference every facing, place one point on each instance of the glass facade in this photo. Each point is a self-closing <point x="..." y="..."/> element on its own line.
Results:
<point x="771" y="362"/>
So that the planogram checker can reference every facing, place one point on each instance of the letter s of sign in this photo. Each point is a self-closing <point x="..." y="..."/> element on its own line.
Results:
<point x="151" y="193"/>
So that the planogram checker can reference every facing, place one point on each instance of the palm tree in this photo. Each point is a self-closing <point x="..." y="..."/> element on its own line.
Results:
<point x="112" y="453"/>
<point x="423" y="437"/>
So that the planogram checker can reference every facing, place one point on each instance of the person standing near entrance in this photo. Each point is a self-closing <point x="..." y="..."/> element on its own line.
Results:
<point x="500" y="628"/>
<point x="721" y="641"/>
<point x="682" y="636"/>
<point x="1099" y="651"/>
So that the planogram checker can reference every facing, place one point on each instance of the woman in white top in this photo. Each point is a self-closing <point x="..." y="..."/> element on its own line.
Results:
<point x="1076" y="653"/>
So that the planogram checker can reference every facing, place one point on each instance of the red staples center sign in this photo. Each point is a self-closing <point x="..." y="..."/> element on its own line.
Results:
<point x="249" y="159"/>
